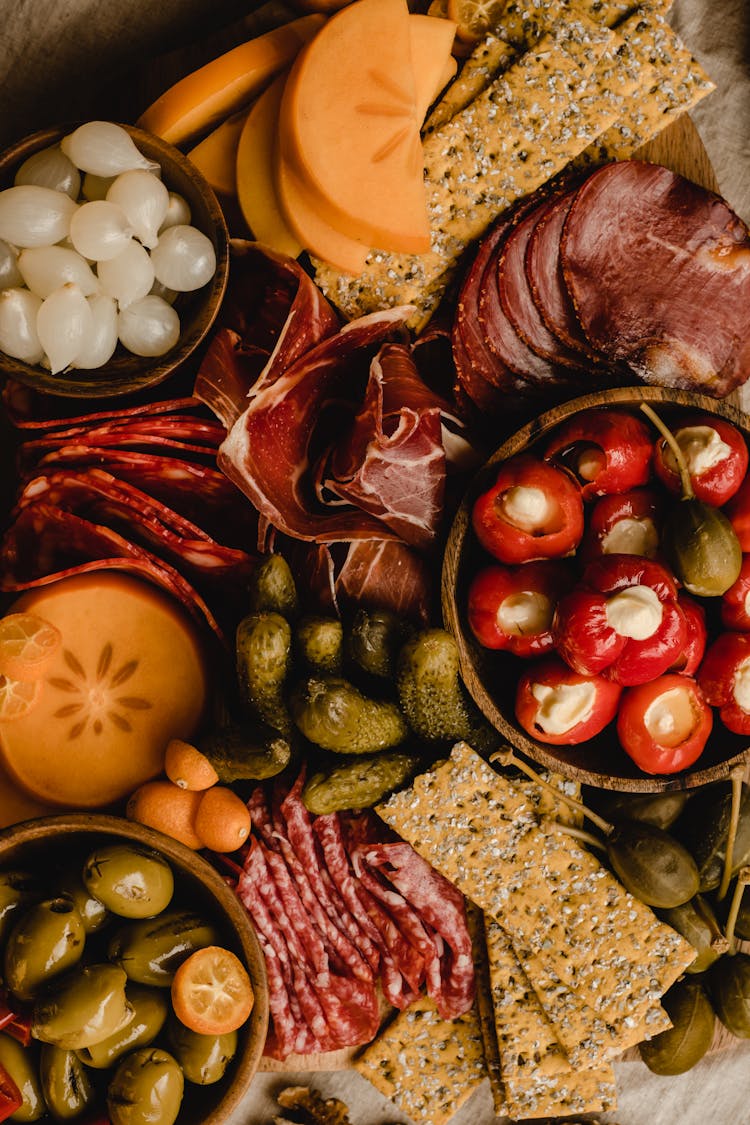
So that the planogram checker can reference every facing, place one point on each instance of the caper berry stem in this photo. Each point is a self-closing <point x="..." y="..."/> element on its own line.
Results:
<point x="670" y="439"/>
<point x="576" y="833"/>
<point x="734" y="818"/>
<point x="506" y="757"/>
<point x="743" y="879"/>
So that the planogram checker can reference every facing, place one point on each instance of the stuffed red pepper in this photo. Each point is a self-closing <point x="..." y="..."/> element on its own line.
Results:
<point x="664" y="725"/>
<point x="724" y="677"/>
<point x="554" y="704"/>
<point x="624" y="523"/>
<point x="716" y="457"/>
<point x="608" y="450"/>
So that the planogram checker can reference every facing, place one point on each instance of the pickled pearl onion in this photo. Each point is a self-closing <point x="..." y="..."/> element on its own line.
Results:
<point x="46" y="268"/>
<point x="34" y="216"/>
<point x="10" y="275"/>
<point x="100" y="230"/>
<point x="184" y="259"/>
<point x="18" y="333"/>
<point x="128" y="276"/>
<point x="65" y="325"/>
<point x="144" y="199"/>
<point x="50" y="168"/>
<point x="149" y="327"/>
<point x="104" y="148"/>
<point x="178" y="212"/>
<point x="100" y="346"/>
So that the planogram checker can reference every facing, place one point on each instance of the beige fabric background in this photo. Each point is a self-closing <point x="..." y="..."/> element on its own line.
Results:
<point x="62" y="59"/>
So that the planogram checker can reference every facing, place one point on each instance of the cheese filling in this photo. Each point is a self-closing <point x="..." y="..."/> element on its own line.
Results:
<point x="527" y="508"/>
<point x="525" y="613"/>
<point x="670" y="718"/>
<point x="563" y="706"/>
<point x="741" y="685"/>
<point x="630" y="536"/>
<point x="635" y="612"/>
<point x="702" y="447"/>
<point x="746" y="604"/>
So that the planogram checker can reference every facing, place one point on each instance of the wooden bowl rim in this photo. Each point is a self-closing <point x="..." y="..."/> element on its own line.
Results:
<point x="147" y="371"/>
<point x="457" y="539"/>
<point x="192" y="865"/>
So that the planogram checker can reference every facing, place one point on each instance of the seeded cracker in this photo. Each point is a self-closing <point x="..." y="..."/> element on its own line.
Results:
<point x="485" y="1009"/>
<point x="597" y="959"/>
<point x="519" y="133"/>
<point x="488" y="59"/>
<point x="672" y="82"/>
<point x="426" y="1065"/>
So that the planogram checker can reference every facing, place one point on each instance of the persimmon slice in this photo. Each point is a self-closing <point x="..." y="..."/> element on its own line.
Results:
<point x="27" y="645"/>
<point x="211" y="992"/>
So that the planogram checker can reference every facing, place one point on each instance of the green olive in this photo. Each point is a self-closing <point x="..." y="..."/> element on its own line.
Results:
<point x="45" y="941"/>
<point x="146" y="1089"/>
<point x="132" y="882"/>
<point x="729" y="981"/>
<point x="83" y="1008"/>
<point x="21" y="1064"/>
<point x="150" y="1009"/>
<point x="17" y="890"/>
<point x="697" y="923"/>
<point x="94" y="913"/>
<point x="653" y="866"/>
<point x="150" y="951"/>
<point x="702" y="547"/>
<point x="67" y="1088"/>
<point x="203" y="1058"/>
<point x="681" y="1046"/>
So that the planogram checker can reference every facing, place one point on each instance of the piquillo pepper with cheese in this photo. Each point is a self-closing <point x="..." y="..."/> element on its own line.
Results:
<point x="724" y="677"/>
<point x="512" y="608"/>
<point x="664" y="725"/>
<point x="556" y="705"/>
<point x="624" y="523"/>
<point x="716" y="457"/>
<point x="608" y="450"/>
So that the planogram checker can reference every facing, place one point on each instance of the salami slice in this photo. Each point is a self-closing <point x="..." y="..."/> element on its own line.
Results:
<point x="659" y="272"/>
<point x="28" y="409"/>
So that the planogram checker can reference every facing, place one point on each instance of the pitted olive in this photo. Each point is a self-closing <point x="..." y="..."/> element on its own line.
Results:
<point x="83" y="1008"/>
<point x="21" y="1064"/>
<point x="203" y="1058"/>
<point x="131" y="881"/>
<point x="93" y="912"/>
<point x="729" y="981"/>
<point x="150" y="951"/>
<point x="146" y="1089"/>
<point x="46" y="940"/>
<point x="18" y="889"/>
<point x="681" y="1046"/>
<point x="67" y="1088"/>
<point x="150" y="1009"/>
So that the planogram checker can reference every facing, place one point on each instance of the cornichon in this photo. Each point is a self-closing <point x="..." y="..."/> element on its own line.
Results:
<point x="432" y="696"/>
<point x="359" y="783"/>
<point x="320" y="645"/>
<point x="272" y="588"/>
<point x="264" y="653"/>
<point x="374" y="641"/>
<point x="246" y="752"/>
<point x="334" y="714"/>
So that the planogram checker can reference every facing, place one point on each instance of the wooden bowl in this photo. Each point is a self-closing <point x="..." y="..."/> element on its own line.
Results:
<point x="49" y="841"/>
<point x="126" y="373"/>
<point x="491" y="677"/>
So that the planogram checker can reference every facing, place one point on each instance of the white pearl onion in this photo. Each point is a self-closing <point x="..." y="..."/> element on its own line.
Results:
<point x="178" y="211"/>
<point x="144" y="199"/>
<point x="100" y="230"/>
<point x="65" y="325"/>
<point x="149" y="327"/>
<point x="10" y="275"/>
<point x="18" y="333"/>
<point x="100" y="346"/>
<point x="184" y="259"/>
<point x="46" y="268"/>
<point x="50" y="168"/>
<point x="34" y="216"/>
<point x="129" y="276"/>
<point x="103" y="148"/>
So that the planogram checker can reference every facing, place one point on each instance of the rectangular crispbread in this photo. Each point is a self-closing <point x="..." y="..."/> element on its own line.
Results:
<point x="522" y="130"/>
<point x="597" y="959"/>
<point x="671" y="83"/>
<point x="488" y="59"/>
<point x="426" y="1065"/>
<point x="485" y="1009"/>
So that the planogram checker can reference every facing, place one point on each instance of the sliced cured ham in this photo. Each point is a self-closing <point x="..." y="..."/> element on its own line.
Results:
<point x="392" y="464"/>
<point x="377" y="574"/>
<point x="659" y="272"/>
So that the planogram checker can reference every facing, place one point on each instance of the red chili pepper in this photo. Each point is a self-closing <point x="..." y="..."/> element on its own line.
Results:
<point x="724" y="676"/>
<point x="556" y="705"/>
<point x="512" y="607"/>
<point x="623" y="621"/>
<point x="697" y="635"/>
<point x="625" y="523"/>
<point x="608" y="450"/>
<point x="738" y="513"/>
<point x="533" y="511"/>
<point x="14" y="1022"/>
<point x="720" y="446"/>
<point x="664" y="725"/>
<point x="11" y="1098"/>
<point x="735" y="604"/>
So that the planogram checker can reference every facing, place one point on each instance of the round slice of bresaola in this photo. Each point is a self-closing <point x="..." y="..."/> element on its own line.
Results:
<point x="517" y="298"/>
<point x="545" y="277"/>
<point x="659" y="272"/>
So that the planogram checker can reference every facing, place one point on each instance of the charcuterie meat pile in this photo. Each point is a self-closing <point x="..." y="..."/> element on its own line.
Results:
<point x="636" y="272"/>
<point x="341" y="905"/>
<point x="332" y="434"/>
<point x="133" y="489"/>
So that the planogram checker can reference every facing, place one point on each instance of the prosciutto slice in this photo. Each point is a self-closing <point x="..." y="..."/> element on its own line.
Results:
<point x="393" y="463"/>
<point x="377" y="574"/>
<point x="659" y="272"/>
<point x="272" y="315"/>
<point x="267" y="451"/>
